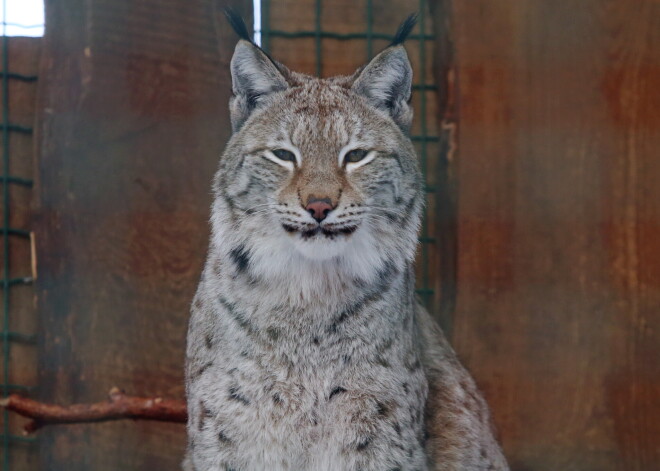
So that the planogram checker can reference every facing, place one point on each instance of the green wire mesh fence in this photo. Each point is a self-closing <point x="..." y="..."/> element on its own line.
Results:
<point x="11" y="235"/>
<point x="422" y="139"/>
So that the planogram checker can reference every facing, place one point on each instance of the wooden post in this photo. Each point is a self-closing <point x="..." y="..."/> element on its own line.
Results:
<point x="132" y="119"/>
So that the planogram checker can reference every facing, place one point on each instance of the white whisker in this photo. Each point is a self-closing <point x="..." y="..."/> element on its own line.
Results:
<point x="270" y="205"/>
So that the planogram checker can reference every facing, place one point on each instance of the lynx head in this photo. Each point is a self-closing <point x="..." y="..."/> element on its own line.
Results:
<point x="319" y="173"/>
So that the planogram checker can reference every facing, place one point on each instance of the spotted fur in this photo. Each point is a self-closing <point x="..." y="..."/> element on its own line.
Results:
<point x="307" y="349"/>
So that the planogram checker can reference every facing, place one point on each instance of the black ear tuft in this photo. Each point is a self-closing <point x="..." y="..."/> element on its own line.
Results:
<point x="404" y="29"/>
<point x="237" y="23"/>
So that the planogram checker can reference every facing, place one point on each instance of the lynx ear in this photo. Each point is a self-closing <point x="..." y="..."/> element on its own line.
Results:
<point x="254" y="75"/>
<point x="254" y="78"/>
<point x="386" y="82"/>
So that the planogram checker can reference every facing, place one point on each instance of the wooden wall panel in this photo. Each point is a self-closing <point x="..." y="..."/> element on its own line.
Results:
<point x="558" y="311"/>
<point x="132" y="119"/>
<point x="550" y="156"/>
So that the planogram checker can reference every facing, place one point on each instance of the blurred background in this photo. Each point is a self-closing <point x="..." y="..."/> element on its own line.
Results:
<point x="537" y="125"/>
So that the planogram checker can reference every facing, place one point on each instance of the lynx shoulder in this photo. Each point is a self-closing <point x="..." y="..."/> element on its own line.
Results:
<point x="307" y="349"/>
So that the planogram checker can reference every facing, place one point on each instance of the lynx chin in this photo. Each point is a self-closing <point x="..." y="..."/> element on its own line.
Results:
<point x="307" y="348"/>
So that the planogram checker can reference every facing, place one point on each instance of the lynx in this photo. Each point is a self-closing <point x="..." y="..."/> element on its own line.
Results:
<point x="307" y="348"/>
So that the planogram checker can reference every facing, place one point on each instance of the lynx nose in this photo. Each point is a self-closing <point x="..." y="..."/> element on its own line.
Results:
<point x="319" y="208"/>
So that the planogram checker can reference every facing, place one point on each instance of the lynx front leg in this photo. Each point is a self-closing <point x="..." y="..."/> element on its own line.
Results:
<point x="368" y="456"/>
<point x="367" y="434"/>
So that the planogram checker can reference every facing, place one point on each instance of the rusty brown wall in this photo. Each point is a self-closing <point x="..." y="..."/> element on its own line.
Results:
<point x="545" y="211"/>
<point x="133" y="117"/>
<point x="558" y="261"/>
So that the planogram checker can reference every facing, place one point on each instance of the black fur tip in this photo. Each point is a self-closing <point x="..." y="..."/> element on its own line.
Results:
<point x="404" y="30"/>
<point x="237" y="24"/>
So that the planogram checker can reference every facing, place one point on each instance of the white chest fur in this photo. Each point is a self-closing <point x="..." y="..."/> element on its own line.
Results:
<point x="293" y="389"/>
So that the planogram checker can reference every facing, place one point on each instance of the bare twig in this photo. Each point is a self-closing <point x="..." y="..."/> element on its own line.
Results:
<point x="118" y="406"/>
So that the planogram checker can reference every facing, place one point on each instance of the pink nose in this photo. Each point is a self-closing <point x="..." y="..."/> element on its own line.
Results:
<point x="319" y="208"/>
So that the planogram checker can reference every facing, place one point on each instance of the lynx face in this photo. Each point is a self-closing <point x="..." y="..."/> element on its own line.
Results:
<point x="320" y="170"/>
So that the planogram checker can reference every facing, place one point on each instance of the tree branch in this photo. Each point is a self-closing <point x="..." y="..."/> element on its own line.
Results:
<point x="118" y="406"/>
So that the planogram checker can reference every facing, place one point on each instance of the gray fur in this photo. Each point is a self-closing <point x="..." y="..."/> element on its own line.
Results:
<point x="307" y="349"/>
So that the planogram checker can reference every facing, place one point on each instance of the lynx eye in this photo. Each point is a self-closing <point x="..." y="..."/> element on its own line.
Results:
<point x="355" y="155"/>
<point x="285" y="155"/>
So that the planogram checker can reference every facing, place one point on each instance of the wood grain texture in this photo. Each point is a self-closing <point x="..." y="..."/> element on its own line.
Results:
<point x="558" y="310"/>
<point x="132" y="119"/>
